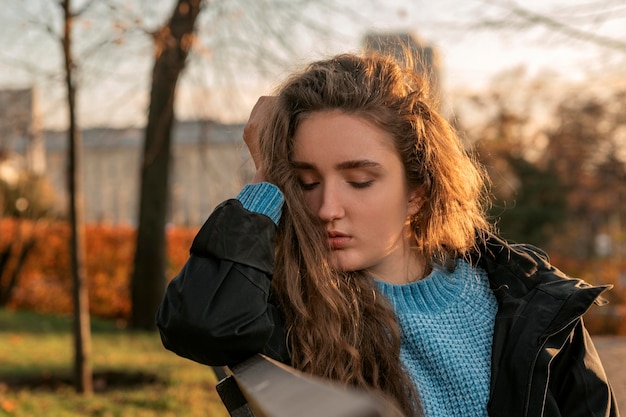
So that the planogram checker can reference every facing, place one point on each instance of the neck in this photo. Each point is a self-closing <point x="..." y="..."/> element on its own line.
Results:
<point x="412" y="269"/>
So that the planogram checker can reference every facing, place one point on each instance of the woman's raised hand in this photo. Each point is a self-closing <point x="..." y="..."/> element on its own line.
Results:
<point x="251" y="132"/>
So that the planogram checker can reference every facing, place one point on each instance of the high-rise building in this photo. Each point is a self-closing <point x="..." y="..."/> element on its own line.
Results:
<point x="408" y="49"/>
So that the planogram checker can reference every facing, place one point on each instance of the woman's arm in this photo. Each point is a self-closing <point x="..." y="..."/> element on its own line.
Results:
<point x="216" y="311"/>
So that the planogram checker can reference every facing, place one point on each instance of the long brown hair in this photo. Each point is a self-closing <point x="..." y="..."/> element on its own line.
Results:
<point x="339" y="325"/>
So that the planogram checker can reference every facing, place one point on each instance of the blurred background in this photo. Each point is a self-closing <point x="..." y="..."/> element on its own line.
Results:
<point x="120" y="131"/>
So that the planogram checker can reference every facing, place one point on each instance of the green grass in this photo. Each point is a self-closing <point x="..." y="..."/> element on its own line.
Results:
<point x="37" y="346"/>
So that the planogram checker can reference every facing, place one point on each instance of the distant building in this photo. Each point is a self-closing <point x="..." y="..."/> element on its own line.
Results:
<point x="210" y="164"/>
<point x="406" y="47"/>
<point x="20" y="130"/>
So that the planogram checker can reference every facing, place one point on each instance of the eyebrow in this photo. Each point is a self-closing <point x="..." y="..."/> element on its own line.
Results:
<point x="352" y="164"/>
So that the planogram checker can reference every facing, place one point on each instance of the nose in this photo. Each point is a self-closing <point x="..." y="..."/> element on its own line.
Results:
<point x="331" y="207"/>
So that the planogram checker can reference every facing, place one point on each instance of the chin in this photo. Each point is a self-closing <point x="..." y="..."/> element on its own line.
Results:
<point x="345" y="265"/>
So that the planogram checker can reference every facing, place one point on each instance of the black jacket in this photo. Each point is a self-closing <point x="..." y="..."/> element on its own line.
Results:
<point x="218" y="311"/>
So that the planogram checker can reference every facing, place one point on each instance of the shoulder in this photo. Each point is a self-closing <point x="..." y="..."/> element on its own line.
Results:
<point x="522" y="268"/>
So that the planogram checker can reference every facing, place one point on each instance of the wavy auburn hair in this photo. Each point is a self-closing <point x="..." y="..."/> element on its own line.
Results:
<point x="339" y="326"/>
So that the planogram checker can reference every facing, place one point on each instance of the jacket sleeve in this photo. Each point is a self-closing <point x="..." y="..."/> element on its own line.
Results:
<point x="580" y="386"/>
<point x="216" y="311"/>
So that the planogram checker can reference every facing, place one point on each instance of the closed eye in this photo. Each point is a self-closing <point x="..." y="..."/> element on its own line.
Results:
<point x="308" y="186"/>
<point x="363" y="184"/>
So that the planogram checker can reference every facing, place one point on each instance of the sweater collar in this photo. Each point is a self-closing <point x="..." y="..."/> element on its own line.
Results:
<point x="434" y="293"/>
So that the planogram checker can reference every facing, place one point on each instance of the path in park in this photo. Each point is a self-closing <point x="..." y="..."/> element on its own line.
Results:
<point x="612" y="351"/>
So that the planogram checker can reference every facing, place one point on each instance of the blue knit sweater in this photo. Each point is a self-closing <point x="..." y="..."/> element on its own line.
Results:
<point x="446" y="321"/>
<point x="263" y="198"/>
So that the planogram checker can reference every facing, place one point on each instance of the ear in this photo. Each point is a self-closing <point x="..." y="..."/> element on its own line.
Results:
<point x="416" y="200"/>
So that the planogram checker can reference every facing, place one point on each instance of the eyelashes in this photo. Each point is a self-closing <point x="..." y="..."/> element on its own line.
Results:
<point x="363" y="184"/>
<point x="309" y="186"/>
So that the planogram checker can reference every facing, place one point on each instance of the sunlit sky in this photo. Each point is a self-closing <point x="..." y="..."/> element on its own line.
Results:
<point x="472" y="57"/>
<point x="469" y="58"/>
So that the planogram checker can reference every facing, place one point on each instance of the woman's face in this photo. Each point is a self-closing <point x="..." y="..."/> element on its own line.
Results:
<point x="354" y="181"/>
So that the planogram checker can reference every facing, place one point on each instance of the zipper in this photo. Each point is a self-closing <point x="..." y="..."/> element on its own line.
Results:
<point x="534" y="363"/>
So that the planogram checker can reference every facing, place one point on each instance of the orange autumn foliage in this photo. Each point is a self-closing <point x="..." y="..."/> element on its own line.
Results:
<point x="45" y="284"/>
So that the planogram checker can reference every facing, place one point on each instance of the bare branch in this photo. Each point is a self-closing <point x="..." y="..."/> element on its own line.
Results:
<point x="32" y="69"/>
<point x="550" y="23"/>
<point x="85" y="8"/>
<point x="519" y="18"/>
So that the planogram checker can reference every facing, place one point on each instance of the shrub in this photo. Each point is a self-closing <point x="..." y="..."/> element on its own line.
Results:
<point x="46" y="285"/>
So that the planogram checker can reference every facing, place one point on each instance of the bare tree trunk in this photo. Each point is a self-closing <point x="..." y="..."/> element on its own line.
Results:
<point x="172" y="43"/>
<point x="82" y="332"/>
<point x="12" y="260"/>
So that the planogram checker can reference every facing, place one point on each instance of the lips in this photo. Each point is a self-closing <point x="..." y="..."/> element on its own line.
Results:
<point x="337" y="240"/>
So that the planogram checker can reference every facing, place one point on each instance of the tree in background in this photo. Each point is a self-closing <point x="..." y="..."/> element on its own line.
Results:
<point x="529" y="200"/>
<point x="172" y="43"/>
<point x="506" y="126"/>
<point x="557" y="160"/>
<point x="587" y="151"/>
<point x="83" y="372"/>
<point x="58" y="23"/>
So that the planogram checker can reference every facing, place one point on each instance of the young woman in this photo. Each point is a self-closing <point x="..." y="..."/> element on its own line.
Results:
<point x="362" y="254"/>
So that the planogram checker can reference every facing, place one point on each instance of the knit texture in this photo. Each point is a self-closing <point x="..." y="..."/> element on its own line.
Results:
<point x="263" y="198"/>
<point x="447" y="322"/>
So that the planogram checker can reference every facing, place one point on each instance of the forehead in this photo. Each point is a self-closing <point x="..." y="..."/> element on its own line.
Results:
<point x="333" y="134"/>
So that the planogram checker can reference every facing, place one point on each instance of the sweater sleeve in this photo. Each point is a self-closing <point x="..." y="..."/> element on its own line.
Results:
<point x="264" y="198"/>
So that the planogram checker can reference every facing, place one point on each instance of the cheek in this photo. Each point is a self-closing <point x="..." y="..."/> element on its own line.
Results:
<point x="311" y="202"/>
<point x="386" y="215"/>
<point x="393" y="203"/>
